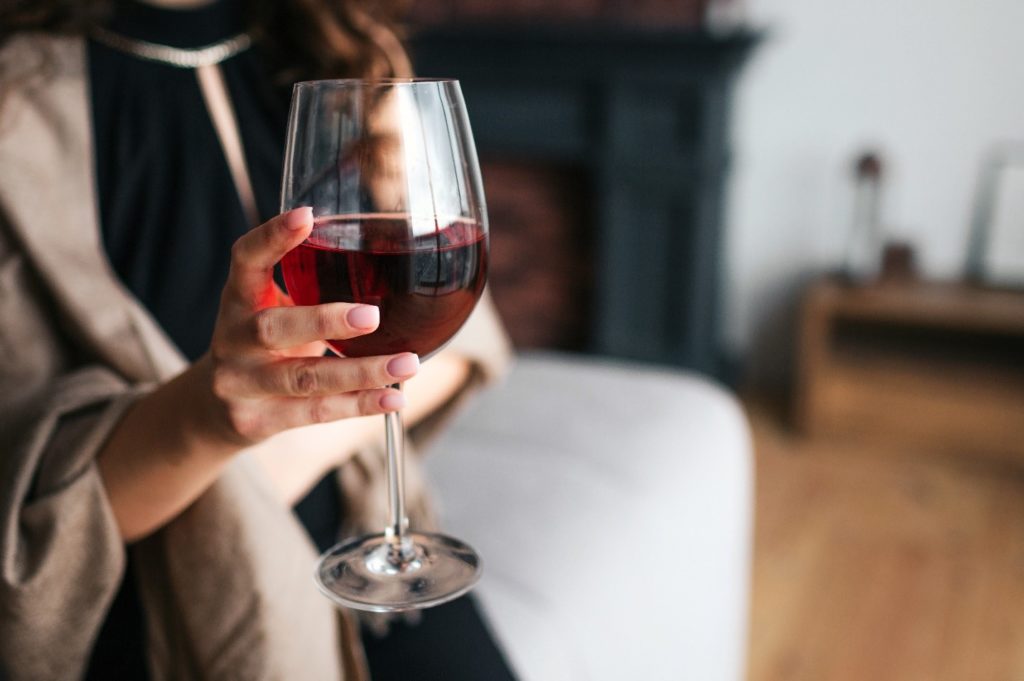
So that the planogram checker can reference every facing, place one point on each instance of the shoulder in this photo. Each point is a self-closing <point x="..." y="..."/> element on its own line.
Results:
<point x="32" y="58"/>
<point x="36" y="71"/>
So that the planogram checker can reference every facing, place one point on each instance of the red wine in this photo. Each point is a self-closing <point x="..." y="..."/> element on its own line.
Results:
<point x="425" y="281"/>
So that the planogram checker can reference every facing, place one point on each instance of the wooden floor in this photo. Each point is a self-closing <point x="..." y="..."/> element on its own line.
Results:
<point x="874" y="565"/>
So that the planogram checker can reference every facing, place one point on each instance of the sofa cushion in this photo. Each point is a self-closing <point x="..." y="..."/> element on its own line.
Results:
<point x="612" y="506"/>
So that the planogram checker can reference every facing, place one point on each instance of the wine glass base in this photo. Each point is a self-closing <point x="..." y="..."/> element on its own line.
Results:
<point x="371" y="573"/>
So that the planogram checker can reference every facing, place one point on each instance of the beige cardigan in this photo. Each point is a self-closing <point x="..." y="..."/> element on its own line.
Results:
<point x="226" y="586"/>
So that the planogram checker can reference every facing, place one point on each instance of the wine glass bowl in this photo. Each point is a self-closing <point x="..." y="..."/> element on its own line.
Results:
<point x="390" y="170"/>
<point x="425" y="285"/>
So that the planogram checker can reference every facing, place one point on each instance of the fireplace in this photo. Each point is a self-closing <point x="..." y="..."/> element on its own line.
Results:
<point x="542" y="243"/>
<point x="605" y="154"/>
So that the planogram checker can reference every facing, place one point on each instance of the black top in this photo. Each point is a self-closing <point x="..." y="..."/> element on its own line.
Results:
<point x="168" y="206"/>
<point x="169" y="213"/>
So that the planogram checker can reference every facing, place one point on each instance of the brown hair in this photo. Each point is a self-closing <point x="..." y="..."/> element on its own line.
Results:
<point x="304" y="39"/>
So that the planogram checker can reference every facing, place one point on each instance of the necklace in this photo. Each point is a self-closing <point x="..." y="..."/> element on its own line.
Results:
<point x="175" y="56"/>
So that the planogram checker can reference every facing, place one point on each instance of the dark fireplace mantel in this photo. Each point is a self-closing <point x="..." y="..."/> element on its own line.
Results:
<point x="645" y="113"/>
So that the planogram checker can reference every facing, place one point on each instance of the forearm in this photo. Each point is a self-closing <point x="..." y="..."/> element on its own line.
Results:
<point x="165" y="452"/>
<point x="295" y="459"/>
<point x="435" y="384"/>
<point x="162" y="455"/>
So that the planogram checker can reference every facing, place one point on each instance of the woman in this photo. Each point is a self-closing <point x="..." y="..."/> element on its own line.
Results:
<point x="156" y="388"/>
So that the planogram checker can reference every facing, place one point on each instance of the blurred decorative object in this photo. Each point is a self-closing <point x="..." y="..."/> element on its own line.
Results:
<point x="662" y="13"/>
<point x="864" y="246"/>
<point x="641" y="117"/>
<point x="995" y="253"/>
<point x="899" y="263"/>
<point x="927" y="366"/>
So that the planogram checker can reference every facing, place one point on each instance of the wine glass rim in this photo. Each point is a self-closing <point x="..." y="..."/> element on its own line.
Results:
<point x="372" y="82"/>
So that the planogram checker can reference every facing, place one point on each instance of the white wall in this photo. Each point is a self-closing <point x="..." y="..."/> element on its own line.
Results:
<point x="931" y="82"/>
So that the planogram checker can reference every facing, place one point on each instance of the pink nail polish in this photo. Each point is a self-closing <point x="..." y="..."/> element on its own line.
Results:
<point x="392" y="401"/>
<point x="363" y="317"/>
<point x="298" y="218"/>
<point x="404" y="366"/>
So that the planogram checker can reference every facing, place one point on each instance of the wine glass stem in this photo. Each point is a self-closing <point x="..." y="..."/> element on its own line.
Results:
<point x="397" y="522"/>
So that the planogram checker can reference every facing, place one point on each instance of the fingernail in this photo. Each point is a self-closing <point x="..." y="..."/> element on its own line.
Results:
<point x="363" y="317"/>
<point x="392" y="401"/>
<point x="404" y="366"/>
<point x="298" y="218"/>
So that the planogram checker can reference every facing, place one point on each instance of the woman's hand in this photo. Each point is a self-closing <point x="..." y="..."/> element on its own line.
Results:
<point x="263" y="374"/>
<point x="266" y="369"/>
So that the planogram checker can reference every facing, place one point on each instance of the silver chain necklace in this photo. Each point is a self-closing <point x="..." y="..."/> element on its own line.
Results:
<point x="181" y="58"/>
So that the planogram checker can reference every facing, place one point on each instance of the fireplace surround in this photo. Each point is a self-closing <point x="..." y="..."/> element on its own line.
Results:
<point x="643" y="113"/>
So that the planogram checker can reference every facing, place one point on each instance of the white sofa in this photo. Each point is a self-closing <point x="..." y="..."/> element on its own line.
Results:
<point x="612" y="505"/>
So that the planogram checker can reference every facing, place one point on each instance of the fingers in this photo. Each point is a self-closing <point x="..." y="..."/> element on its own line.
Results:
<point x="297" y="412"/>
<point x="268" y="398"/>
<point x="263" y="391"/>
<point x="254" y="255"/>
<point x="280" y="328"/>
<point x="262" y="418"/>
<point x="314" y="376"/>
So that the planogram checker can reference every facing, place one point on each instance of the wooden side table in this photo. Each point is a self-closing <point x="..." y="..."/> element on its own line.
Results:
<point x="930" y="366"/>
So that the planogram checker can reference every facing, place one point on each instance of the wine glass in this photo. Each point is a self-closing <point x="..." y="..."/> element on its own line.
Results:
<point x="390" y="170"/>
